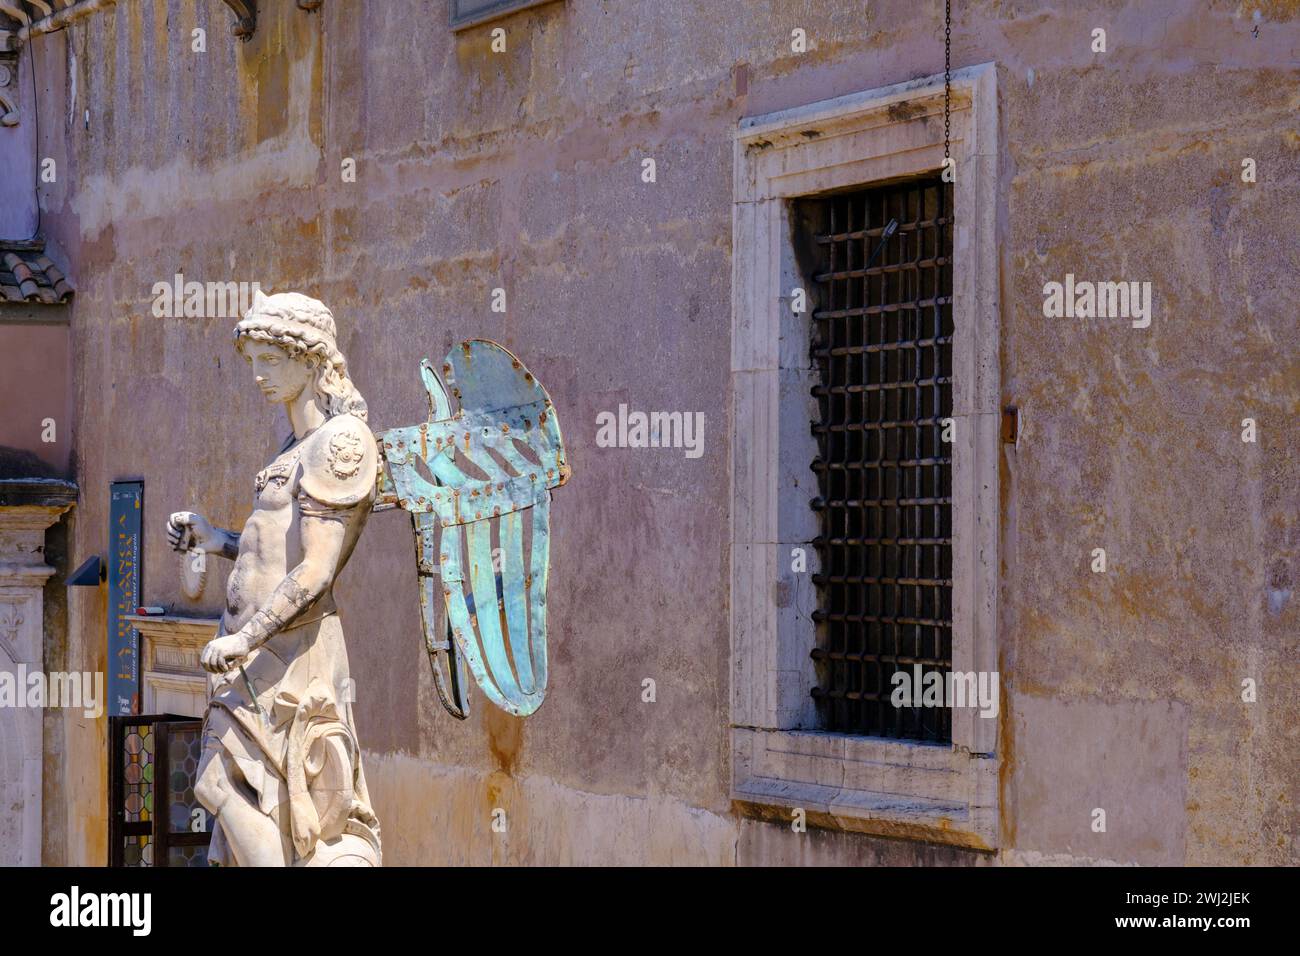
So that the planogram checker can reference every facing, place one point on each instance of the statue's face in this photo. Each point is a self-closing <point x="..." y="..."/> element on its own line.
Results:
<point x="280" y="377"/>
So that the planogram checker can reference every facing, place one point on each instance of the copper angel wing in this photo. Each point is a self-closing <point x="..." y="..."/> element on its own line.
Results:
<point x="477" y="483"/>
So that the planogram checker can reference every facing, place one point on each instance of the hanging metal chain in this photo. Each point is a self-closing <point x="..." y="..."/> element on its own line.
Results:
<point x="947" y="75"/>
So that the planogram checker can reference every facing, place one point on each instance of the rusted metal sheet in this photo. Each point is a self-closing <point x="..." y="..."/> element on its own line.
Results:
<point x="482" y="473"/>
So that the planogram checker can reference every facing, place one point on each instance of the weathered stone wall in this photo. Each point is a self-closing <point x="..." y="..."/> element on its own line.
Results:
<point x="522" y="170"/>
<point x="36" y="397"/>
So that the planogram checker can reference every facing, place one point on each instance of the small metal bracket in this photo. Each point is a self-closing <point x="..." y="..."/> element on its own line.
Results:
<point x="1011" y="425"/>
<point x="92" y="573"/>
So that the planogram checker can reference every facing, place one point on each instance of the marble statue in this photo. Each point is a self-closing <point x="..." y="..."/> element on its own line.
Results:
<point x="281" y="765"/>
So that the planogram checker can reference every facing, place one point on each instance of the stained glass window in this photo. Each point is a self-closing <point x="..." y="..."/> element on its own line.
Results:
<point x="137" y="850"/>
<point x="138" y="773"/>
<point x="152" y="754"/>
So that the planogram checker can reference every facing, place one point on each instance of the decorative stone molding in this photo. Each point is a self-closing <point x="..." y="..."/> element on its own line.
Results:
<point x="945" y="794"/>
<point x="245" y="17"/>
<point x="10" y="620"/>
<point x="8" y="111"/>
<point x="27" y="508"/>
<point x="22" y="543"/>
<point x="172" y="682"/>
<point x="47" y="16"/>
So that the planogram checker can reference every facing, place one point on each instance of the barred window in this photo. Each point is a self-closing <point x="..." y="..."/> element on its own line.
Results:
<point x="882" y="336"/>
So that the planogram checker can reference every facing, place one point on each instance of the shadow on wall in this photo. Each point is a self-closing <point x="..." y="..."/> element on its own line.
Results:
<point x="20" y="463"/>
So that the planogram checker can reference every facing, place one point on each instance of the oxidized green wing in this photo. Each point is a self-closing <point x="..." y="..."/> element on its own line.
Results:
<point x="482" y="475"/>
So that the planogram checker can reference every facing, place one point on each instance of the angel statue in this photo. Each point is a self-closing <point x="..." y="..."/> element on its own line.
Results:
<point x="281" y="766"/>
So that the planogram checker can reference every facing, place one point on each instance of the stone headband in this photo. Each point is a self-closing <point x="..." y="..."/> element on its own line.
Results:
<point x="267" y="320"/>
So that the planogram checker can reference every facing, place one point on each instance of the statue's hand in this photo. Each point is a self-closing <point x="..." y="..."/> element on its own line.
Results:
<point x="224" y="653"/>
<point x="187" y="530"/>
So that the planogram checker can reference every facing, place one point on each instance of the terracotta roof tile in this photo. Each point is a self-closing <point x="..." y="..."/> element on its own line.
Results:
<point x="28" y="275"/>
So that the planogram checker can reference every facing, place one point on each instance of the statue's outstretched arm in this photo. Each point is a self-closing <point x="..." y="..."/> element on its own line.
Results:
<point x="187" y="530"/>
<point x="229" y="541"/>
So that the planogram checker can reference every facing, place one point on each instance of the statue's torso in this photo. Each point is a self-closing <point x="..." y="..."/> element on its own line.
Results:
<point x="270" y="545"/>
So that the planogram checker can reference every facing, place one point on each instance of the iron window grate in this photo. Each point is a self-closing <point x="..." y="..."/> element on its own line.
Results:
<point x="882" y="342"/>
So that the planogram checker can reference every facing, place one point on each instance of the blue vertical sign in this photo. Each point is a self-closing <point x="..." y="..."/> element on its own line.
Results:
<point x="125" y="512"/>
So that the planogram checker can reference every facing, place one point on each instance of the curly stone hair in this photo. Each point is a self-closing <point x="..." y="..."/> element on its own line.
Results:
<point x="304" y="328"/>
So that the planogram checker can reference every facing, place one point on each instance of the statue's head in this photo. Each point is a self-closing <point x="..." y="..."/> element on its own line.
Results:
<point x="288" y="338"/>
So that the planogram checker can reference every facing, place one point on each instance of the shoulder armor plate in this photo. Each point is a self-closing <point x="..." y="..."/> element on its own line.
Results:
<point x="340" y="463"/>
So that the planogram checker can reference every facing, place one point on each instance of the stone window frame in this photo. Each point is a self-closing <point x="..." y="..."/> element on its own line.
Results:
<point x="937" y="793"/>
<point x="462" y="19"/>
<point x="170" y="647"/>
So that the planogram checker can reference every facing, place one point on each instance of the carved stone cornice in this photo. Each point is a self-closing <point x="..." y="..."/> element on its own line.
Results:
<point x="24" y="575"/>
<point x="172" y="643"/>
<point x="175" y="628"/>
<point x="29" y="517"/>
<point x="47" y="16"/>
<point x="24" y="517"/>
<point x="47" y="493"/>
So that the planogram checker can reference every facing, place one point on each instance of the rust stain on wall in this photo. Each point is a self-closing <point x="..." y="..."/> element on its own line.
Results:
<point x="1006" y="766"/>
<point x="505" y="737"/>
